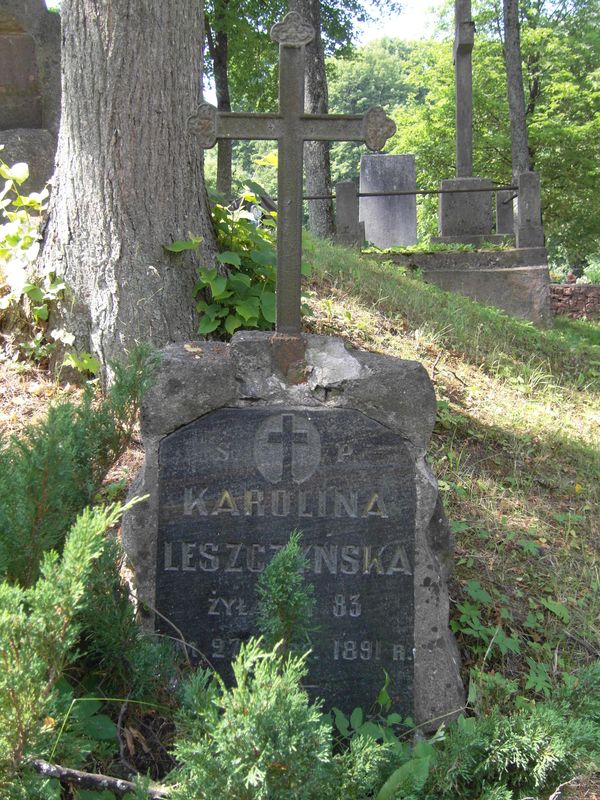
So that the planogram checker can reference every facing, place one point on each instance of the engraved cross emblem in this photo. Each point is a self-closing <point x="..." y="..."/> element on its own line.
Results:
<point x="288" y="438"/>
<point x="287" y="448"/>
<point x="291" y="127"/>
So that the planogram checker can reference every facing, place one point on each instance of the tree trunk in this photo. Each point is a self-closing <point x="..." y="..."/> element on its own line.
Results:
<point x="516" y="94"/>
<point x="218" y="47"/>
<point x="316" y="154"/>
<point x="129" y="174"/>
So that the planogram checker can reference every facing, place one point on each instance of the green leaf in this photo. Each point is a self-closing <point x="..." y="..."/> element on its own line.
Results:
<point x="83" y="362"/>
<point x="181" y="245"/>
<point x="229" y="257"/>
<point x="208" y="324"/>
<point x="40" y="312"/>
<point x="394" y="719"/>
<point x="18" y="172"/>
<point x="218" y="286"/>
<point x="240" y="278"/>
<point x="341" y="722"/>
<point x="232" y="323"/>
<point x="560" y="611"/>
<point x="86" y="707"/>
<point x="383" y="698"/>
<point x="89" y="794"/>
<point x="478" y="593"/>
<point x="265" y="258"/>
<point x="268" y="306"/>
<point x="99" y="727"/>
<point x="207" y="275"/>
<point x="371" y="730"/>
<point x="357" y="718"/>
<point x="255" y="187"/>
<point x="33" y="292"/>
<point x="306" y="270"/>
<point x="406" y="779"/>
<point x="248" y="308"/>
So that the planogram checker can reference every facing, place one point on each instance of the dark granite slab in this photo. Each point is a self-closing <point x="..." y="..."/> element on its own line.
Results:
<point x="235" y="483"/>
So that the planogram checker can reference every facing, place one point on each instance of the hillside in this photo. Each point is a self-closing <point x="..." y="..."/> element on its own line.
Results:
<point x="516" y="451"/>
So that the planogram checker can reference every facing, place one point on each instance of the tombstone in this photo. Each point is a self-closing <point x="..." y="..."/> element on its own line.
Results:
<point x="389" y="221"/>
<point x="246" y="442"/>
<point x="348" y="230"/>
<point x="465" y="202"/>
<point x="505" y="213"/>
<point x="29" y="86"/>
<point x="530" y="231"/>
<point x="465" y="209"/>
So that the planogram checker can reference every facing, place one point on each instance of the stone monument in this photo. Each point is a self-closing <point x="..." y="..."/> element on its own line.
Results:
<point x="276" y="432"/>
<point x="390" y="221"/>
<point x="348" y="230"/>
<point x="29" y="86"/>
<point x="465" y="205"/>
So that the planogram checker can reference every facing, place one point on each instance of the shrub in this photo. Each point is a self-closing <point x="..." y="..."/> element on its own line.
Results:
<point x="264" y="740"/>
<point x="54" y="470"/>
<point x="286" y="601"/>
<point x="38" y="633"/>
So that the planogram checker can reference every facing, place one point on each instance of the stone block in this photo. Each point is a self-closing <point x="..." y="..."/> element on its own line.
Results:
<point x="389" y="221"/>
<point x="36" y="148"/>
<point x="465" y="207"/>
<point x="237" y="458"/>
<point x="348" y="230"/>
<point x="505" y="213"/>
<point x="517" y="281"/>
<point x="30" y="87"/>
<point x="530" y="231"/>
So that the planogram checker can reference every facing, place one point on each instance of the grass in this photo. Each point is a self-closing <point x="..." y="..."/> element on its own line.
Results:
<point x="515" y="449"/>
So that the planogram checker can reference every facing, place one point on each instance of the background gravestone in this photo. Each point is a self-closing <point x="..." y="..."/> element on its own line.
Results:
<point x="29" y="86"/>
<point x="389" y="221"/>
<point x="238" y="456"/>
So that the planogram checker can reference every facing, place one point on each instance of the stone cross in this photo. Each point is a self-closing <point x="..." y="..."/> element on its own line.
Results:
<point x="463" y="70"/>
<point x="291" y="127"/>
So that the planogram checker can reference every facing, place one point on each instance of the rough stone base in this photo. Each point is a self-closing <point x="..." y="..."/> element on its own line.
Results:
<point x="254" y="371"/>
<point x="517" y="281"/>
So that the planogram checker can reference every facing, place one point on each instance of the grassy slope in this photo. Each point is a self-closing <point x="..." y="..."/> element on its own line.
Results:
<point x="516" y="451"/>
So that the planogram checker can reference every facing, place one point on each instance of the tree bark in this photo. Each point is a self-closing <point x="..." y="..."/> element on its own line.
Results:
<point x="516" y="93"/>
<point x="218" y="47"/>
<point x="316" y="154"/>
<point x="129" y="174"/>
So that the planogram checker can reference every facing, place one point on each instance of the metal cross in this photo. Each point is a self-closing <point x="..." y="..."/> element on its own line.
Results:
<point x="291" y="127"/>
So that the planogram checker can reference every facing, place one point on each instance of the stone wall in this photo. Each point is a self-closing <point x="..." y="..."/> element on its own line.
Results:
<point x="580" y="300"/>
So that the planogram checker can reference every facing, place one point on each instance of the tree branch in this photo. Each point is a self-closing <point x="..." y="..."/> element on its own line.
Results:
<point x="88" y="780"/>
